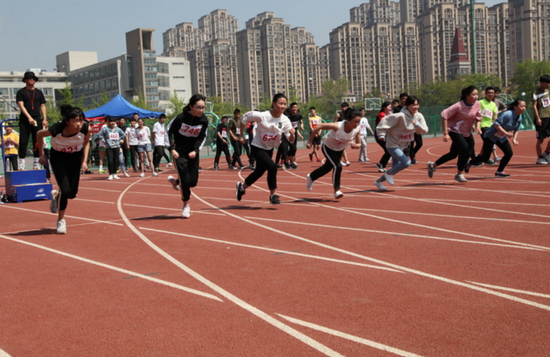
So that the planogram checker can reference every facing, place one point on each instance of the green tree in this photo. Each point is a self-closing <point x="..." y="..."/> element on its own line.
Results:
<point x="176" y="104"/>
<point x="103" y="99"/>
<point x="526" y="76"/>
<point x="67" y="95"/>
<point x="333" y="92"/>
<point x="140" y="101"/>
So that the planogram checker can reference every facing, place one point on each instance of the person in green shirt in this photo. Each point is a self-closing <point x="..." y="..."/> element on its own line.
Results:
<point x="489" y="113"/>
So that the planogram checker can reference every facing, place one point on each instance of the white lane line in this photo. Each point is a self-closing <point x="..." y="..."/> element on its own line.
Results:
<point x="169" y="209"/>
<point x="396" y="221"/>
<point x="50" y="214"/>
<point x="4" y="354"/>
<point x="244" y="305"/>
<point x="512" y="290"/>
<point x="273" y="250"/>
<point x="508" y="203"/>
<point x="120" y="270"/>
<point x="511" y="245"/>
<point x="353" y="338"/>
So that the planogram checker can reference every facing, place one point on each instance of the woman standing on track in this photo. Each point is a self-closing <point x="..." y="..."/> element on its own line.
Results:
<point x="144" y="147"/>
<point x="506" y="126"/>
<point x="385" y="110"/>
<point x="69" y="152"/>
<point x="113" y="137"/>
<point x="340" y="136"/>
<point x="271" y="125"/>
<point x="186" y="133"/>
<point x="398" y="131"/>
<point x="457" y="124"/>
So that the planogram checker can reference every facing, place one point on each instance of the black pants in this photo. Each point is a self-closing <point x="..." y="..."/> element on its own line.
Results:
<point x="66" y="169"/>
<point x="246" y="147"/>
<point x="461" y="147"/>
<point x="488" y="148"/>
<point x="283" y="149"/>
<point x="292" y="145"/>
<point x="332" y="162"/>
<point x="112" y="159"/>
<point x="220" y="146"/>
<point x="47" y="163"/>
<point x="386" y="156"/>
<point x="188" y="172"/>
<point x="237" y="150"/>
<point x="12" y="160"/>
<point x="263" y="163"/>
<point x="26" y="132"/>
<point x="415" y="145"/>
<point x="134" y="157"/>
<point x="158" y="153"/>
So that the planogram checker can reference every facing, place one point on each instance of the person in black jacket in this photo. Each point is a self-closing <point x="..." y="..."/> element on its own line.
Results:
<point x="222" y="134"/>
<point x="187" y="132"/>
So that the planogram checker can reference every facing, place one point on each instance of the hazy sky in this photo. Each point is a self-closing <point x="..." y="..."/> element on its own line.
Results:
<point x="33" y="32"/>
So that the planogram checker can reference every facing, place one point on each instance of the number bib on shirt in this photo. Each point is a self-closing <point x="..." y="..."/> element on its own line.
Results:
<point x="294" y="124"/>
<point x="545" y="102"/>
<point x="407" y="137"/>
<point x="487" y="113"/>
<point x="238" y="131"/>
<point x="114" y="138"/>
<point x="224" y="133"/>
<point x="270" y="137"/>
<point x="190" y="130"/>
<point x="68" y="144"/>
<point x="499" y="135"/>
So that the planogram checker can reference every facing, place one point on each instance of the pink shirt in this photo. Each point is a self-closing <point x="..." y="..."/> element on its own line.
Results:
<point x="461" y="117"/>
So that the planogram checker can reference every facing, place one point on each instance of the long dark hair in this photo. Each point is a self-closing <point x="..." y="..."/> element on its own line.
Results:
<point x="69" y="112"/>
<point x="194" y="99"/>
<point x="467" y="91"/>
<point x="384" y="106"/>
<point x="514" y="104"/>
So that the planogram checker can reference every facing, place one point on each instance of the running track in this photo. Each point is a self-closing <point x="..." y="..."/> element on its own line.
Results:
<point x="431" y="267"/>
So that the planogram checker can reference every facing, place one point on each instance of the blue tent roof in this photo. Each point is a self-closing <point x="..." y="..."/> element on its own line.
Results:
<point x="120" y="108"/>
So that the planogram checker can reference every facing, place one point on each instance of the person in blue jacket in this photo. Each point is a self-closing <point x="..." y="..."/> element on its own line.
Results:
<point x="504" y="128"/>
<point x="113" y="137"/>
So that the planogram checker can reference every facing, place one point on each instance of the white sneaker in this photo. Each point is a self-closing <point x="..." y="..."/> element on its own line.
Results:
<point x="115" y="177"/>
<point x="460" y="178"/>
<point x="348" y="163"/>
<point x="542" y="161"/>
<point x="174" y="182"/>
<point x="343" y="163"/>
<point x="126" y="174"/>
<point x="186" y="211"/>
<point x="309" y="183"/>
<point x="497" y="158"/>
<point x="389" y="178"/>
<point x="338" y="194"/>
<point x="379" y="185"/>
<point x="169" y="164"/>
<point x="54" y="201"/>
<point x="142" y="174"/>
<point x="110" y="178"/>
<point x="367" y="160"/>
<point x="546" y="157"/>
<point x="155" y="174"/>
<point x="61" y="227"/>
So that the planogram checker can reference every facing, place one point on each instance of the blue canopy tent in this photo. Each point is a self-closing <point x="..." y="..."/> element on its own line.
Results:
<point x="118" y="107"/>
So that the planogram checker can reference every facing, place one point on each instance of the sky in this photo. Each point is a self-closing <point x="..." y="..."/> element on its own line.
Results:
<point x="33" y="33"/>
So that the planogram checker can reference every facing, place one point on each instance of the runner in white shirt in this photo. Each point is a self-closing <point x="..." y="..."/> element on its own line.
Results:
<point x="144" y="146"/>
<point x="69" y="152"/>
<point x="132" y="142"/>
<point x="271" y="125"/>
<point x="160" y="140"/>
<point x="340" y="135"/>
<point x="364" y="125"/>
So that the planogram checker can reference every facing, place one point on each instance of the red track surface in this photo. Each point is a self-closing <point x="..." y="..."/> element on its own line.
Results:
<point x="431" y="267"/>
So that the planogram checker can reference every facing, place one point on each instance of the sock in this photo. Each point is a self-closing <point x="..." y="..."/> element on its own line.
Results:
<point x="21" y="164"/>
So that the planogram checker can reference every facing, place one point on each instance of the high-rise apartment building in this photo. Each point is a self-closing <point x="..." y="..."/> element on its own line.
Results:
<point x="176" y="42"/>
<point x="375" y="11"/>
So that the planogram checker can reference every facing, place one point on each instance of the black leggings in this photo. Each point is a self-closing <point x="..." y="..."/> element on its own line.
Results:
<point x="488" y="148"/>
<point x="112" y="159"/>
<point x="158" y="153"/>
<point x="220" y="146"/>
<point x="188" y="172"/>
<point x="386" y="156"/>
<point x="332" y="162"/>
<point x="461" y="147"/>
<point x="26" y="132"/>
<point x="12" y="159"/>
<point x="134" y="157"/>
<point x="415" y="145"/>
<point x="66" y="169"/>
<point x="237" y="150"/>
<point x="263" y="163"/>
<point x="283" y="149"/>
<point x="292" y="145"/>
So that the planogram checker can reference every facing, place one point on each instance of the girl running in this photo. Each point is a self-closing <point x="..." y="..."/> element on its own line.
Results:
<point x="186" y="133"/>
<point x="271" y="125"/>
<point x="340" y="135"/>
<point x="506" y="126"/>
<point x="112" y="136"/>
<point x="397" y="131"/>
<point x="69" y="151"/>
<point x="385" y="110"/>
<point x="144" y="147"/>
<point x="457" y="124"/>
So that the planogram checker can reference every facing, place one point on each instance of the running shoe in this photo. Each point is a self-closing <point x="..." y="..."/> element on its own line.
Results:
<point x="490" y="162"/>
<point x="293" y="166"/>
<point x="101" y="172"/>
<point x="174" y="182"/>
<point x="338" y="194"/>
<point x="232" y="167"/>
<point x="240" y="191"/>
<point x="54" y="202"/>
<point x="431" y="169"/>
<point x="61" y="227"/>
<point x="274" y="200"/>
<point x="460" y="178"/>
<point x="186" y="211"/>
<point x="158" y="169"/>
<point x="502" y="174"/>
<point x="343" y="163"/>
<point x="546" y="157"/>
<point x="169" y="164"/>
<point x="367" y="160"/>
<point x="348" y="163"/>
<point x="216" y="168"/>
<point x="142" y="174"/>
<point x="115" y="177"/>
<point x="380" y="168"/>
<point x="389" y="178"/>
<point x="309" y="183"/>
<point x="155" y="174"/>
<point x="36" y="167"/>
<point x="310" y="157"/>
<point x="287" y="166"/>
<point x="413" y="162"/>
<point x="498" y="158"/>
<point x="110" y="178"/>
<point x="126" y="174"/>
<point x="467" y="167"/>
<point x="380" y="185"/>
<point x="541" y="161"/>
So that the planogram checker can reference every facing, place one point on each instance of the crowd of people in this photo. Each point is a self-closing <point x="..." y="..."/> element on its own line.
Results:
<point x="398" y="130"/>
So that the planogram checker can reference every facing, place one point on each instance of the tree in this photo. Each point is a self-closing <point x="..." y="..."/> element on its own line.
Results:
<point x="103" y="99"/>
<point x="527" y="74"/>
<point x="140" y="101"/>
<point x="333" y="92"/>
<point x="176" y="104"/>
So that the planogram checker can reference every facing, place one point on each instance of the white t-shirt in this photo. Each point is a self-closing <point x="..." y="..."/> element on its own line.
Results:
<point x="160" y="134"/>
<point x="364" y="125"/>
<point x="269" y="130"/>
<point x="143" y="135"/>
<point x="339" y="140"/>
<point x="132" y="136"/>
